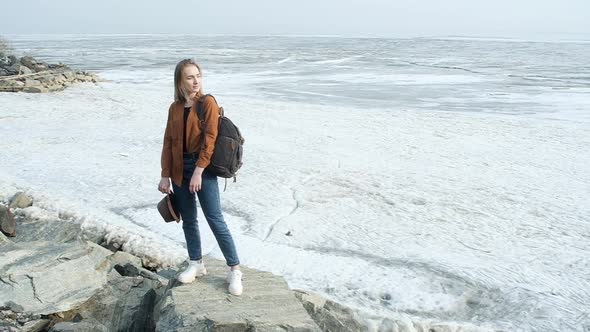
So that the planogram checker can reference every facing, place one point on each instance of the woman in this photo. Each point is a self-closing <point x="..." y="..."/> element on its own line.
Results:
<point x="185" y="155"/>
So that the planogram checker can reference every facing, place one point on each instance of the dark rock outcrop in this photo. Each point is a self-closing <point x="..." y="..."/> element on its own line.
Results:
<point x="28" y="74"/>
<point x="55" y="277"/>
<point x="7" y="222"/>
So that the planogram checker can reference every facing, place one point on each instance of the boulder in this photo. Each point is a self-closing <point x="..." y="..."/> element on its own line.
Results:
<point x="13" y="60"/>
<point x="329" y="315"/>
<point x="8" y="60"/>
<point x="33" y="274"/>
<point x="7" y="222"/>
<point x="124" y="304"/>
<point x="266" y="305"/>
<point x="21" y="200"/>
<point x="4" y="60"/>
<point x="28" y="61"/>
<point x="25" y="70"/>
<point x="12" y="69"/>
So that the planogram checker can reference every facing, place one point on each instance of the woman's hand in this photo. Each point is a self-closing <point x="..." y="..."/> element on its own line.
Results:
<point x="164" y="186"/>
<point x="195" y="184"/>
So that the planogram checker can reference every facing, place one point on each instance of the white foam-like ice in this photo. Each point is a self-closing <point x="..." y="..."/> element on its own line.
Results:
<point x="408" y="78"/>
<point x="442" y="215"/>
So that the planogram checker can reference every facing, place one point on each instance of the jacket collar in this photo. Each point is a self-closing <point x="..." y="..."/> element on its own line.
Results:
<point x="179" y="105"/>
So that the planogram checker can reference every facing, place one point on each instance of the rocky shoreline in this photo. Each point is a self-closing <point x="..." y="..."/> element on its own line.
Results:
<point x="57" y="276"/>
<point x="27" y="74"/>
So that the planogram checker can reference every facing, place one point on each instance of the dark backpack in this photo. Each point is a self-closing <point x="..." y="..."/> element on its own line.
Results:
<point x="227" y="154"/>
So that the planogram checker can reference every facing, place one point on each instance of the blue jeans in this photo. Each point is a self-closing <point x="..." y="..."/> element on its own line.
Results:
<point x="211" y="206"/>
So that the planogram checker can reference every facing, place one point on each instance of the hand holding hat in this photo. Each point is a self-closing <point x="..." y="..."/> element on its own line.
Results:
<point x="168" y="209"/>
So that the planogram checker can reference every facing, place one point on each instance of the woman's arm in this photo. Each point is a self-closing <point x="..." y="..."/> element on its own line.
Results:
<point x="166" y="159"/>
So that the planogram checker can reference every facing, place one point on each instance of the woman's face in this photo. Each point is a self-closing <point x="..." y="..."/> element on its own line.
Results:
<point x="191" y="79"/>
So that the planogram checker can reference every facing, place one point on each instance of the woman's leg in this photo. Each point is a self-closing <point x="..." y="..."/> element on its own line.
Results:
<point x="211" y="205"/>
<point x="187" y="206"/>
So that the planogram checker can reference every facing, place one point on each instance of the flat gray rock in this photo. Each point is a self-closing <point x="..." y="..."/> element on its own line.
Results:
<point x="57" y="231"/>
<point x="267" y="304"/>
<point x="44" y="277"/>
<point x="78" y="327"/>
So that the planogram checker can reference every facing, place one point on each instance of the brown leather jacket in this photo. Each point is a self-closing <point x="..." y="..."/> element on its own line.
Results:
<point x="172" y="165"/>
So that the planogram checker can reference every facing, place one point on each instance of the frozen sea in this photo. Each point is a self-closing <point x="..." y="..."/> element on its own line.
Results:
<point x="422" y="180"/>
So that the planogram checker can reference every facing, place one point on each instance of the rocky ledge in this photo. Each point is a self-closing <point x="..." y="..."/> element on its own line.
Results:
<point x="56" y="276"/>
<point x="30" y="75"/>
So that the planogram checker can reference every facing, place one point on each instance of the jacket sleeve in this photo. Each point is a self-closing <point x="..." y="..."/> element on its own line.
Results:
<point x="166" y="160"/>
<point x="211" y="114"/>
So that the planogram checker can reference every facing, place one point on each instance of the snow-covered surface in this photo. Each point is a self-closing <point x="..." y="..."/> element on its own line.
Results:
<point x="456" y="216"/>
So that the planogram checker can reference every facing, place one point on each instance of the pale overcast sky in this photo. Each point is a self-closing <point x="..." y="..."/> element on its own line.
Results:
<point x="510" y="18"/>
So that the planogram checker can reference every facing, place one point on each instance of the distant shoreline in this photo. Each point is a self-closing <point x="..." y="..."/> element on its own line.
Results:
<point x="557" y="37"/>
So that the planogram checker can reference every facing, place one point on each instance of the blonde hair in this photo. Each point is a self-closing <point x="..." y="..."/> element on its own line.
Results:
<point x="180" y="92"/>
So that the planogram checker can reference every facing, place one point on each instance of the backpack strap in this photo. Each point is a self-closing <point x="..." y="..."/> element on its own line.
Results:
<point x="201" y="118"/>
<point x="200" y="112"/>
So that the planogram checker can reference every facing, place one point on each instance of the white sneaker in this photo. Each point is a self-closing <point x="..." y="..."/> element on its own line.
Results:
<point x="234" y="278"/>
<point x="194" y="269"/>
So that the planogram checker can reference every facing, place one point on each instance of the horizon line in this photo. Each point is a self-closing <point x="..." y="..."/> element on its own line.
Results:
<point x="584" y="36"/>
